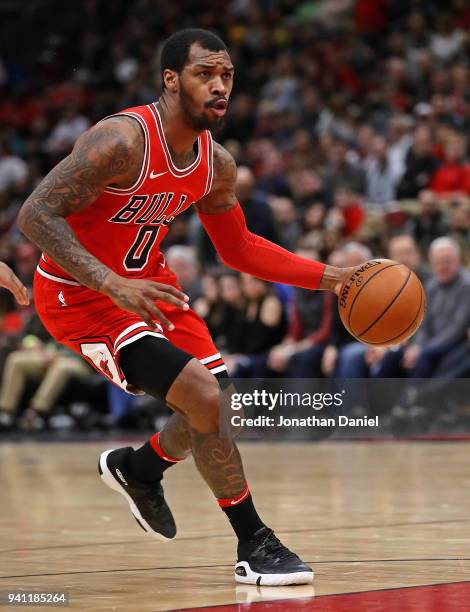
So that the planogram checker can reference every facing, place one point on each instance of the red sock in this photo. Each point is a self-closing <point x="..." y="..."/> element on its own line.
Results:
<point x="237" y="499"/>
<point x="148" y="462"/>
<point x="155" y="444"/>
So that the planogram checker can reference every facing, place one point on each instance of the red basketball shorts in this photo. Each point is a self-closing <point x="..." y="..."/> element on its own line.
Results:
<point x="90" y="324"/>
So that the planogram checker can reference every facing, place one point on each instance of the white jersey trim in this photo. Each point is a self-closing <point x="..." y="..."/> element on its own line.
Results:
<point x="221" y="368"/>
<point x="210" y="359"/>
<point x="146" y="332"/>
<point x="176" y="172"/>
<point x="210" y="163"/>
<point x="57" y="279"/>
<point x="131" y="328"/>
<point x="145" y="161"/>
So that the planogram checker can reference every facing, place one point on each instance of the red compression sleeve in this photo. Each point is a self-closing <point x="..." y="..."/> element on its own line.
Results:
<point x="247" y="252"/>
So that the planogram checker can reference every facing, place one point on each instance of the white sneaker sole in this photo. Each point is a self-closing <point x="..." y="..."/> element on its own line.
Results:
<point x="272" y="579"/>
<point x="112" y="483"/>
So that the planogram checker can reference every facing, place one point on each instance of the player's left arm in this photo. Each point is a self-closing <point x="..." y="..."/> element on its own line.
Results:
<point x="223" y="219"/>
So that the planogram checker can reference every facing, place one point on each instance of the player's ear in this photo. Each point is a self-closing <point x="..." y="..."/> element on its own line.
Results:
<point x="170" y="78"/>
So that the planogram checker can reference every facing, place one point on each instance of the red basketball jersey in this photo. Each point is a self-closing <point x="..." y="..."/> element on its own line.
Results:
<point x="123" y="228"/>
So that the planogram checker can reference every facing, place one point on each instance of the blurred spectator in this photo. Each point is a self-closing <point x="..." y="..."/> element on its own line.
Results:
<point x="209" y="305"/>
<point x="51" y="365"/>
<point x="340" y="172"/>
<point x="183" y="261"/>
<point x="259" y="216"/>
<point x="66" y="131"/>
<point x="447" y="41"/>
<point x="356" y="253"/>
<point x="285" y="216"/>
<point x="306" y="187"/>
<point x="449" y="178"/>
<point x="299" y="354"/>
<point x="347" y="214"/>
<point x="263" y="324"/>
<point x="26" y="256"/>
<point x="403" y="248"/>
<point x="221" y="307"/>
<point x="446" y="320"/>
<point x="420" y="164"/>
<point x="459" y="225"/>
<point x="11" y="325"/>
<point x="399" y="145"/>
<point x="380" y="179"/>
<point x="241" y="119"/>
<point x="13" y="169"/>
<point x="430" y="223"/>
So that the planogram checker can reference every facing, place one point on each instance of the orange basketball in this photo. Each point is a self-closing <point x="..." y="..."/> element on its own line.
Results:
<point x="382" y="303"/>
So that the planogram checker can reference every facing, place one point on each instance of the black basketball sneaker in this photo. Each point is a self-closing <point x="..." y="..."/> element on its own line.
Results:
<point x="265" y="561"/>
<point x="146" y="500"/>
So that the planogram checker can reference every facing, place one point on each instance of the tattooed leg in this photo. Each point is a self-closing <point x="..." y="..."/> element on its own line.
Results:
<point x="196" y="395"/>
<point x="217" y="459"/>
<point x="219" y="463"/>
<point x="175" y="437"/>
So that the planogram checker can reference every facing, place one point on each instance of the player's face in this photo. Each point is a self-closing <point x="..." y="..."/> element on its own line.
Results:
<point x="205" y="86"/>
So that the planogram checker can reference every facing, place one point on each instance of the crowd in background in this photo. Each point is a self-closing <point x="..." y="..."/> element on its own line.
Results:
<point x="349" y="122"/>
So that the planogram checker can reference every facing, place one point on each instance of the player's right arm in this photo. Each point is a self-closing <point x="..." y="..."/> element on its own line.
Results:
<point x="224" y="221"/>
<point x="110" y="153"/>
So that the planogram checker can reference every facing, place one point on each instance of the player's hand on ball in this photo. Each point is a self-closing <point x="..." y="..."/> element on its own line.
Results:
<point x="333" y="278"/>
<point x="11" y="282"/>
<point x="139" y="296"/>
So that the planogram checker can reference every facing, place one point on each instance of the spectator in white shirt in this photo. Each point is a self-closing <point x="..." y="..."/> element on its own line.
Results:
<point x="13" y="170"/>
<point x="66" y="131"/>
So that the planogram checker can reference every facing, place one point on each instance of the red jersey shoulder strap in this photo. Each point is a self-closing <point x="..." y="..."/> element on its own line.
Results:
<point x="210" y="161"/>
<point x="137" y="114"/>
<point x="155" y="145"/>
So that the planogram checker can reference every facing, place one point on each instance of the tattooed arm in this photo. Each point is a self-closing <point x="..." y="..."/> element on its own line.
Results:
<point x="110" y="153"/>
<point x="221" y="197"/>
<point x="101" y="156"/>
<point x="224" y="221"/>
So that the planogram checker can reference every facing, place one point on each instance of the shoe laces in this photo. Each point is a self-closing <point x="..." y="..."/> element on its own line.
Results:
<point x="274" y="546"/>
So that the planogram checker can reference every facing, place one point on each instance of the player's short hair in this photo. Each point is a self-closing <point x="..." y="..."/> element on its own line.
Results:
<point x="175" y="51"/>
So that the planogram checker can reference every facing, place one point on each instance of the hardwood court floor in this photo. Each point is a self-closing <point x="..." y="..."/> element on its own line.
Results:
<point x="367" y="516"/>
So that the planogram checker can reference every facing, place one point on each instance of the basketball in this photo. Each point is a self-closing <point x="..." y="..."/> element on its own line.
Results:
<point x="382" y="303"/>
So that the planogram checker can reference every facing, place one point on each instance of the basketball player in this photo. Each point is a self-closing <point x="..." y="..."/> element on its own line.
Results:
<point x="103" y="287"/>
<point x="11" y="282"/>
